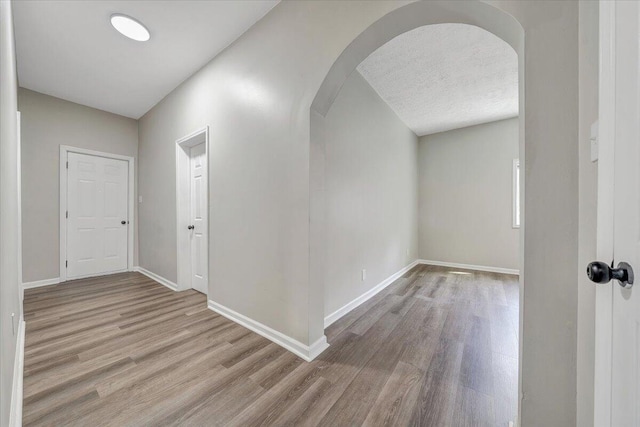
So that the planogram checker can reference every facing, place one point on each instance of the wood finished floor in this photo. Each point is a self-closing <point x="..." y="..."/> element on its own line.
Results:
<point x="433" y="349"/>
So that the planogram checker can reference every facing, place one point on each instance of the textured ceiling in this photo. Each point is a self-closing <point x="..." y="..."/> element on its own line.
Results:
<point x="68" y="49"/>
<point x="445" y="76"/>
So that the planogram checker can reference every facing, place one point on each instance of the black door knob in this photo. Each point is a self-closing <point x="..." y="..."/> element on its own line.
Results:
<point x="191" y="227"/>
<point x="600" y="272"/>
<point x="123" y="222"/>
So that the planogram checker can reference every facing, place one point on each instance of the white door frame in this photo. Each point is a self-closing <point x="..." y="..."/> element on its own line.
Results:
<point x="606" y="148"/>
<point x="183" y="205"/>
<point x="64" y="152"/>
<point x="19" y="160"/>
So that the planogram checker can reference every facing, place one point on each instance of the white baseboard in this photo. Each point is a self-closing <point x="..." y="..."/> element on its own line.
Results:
<point x="470" y="267"/>
<point x="39" y="283"/>
<point x="367" y="295"/>
<point x="168" y="283"/>
<point x="56" y="280"/>
<point x="15" y="416"/>
<point x="306" y="352"/>
<point x="317" y="348"/>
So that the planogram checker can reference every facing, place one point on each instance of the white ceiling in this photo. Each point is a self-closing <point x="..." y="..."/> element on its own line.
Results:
<point x="445" y="76"/>
<point x="69" y="49"/>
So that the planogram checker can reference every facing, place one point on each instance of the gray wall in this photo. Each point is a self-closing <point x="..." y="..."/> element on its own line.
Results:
<point x="588" y="211"/>
<point x="548" y="307"/>
<point x="465" y="188"/>
<point x="9" y="236"/>
<point x="256" y="97"/>
<point x="47" y="123"/>
<point x="371" y="193"/>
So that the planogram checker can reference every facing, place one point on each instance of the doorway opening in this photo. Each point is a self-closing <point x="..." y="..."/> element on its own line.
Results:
<point x="328" y="202"/>
<point x="192" y="197"/>
<point x="96" y="213"/>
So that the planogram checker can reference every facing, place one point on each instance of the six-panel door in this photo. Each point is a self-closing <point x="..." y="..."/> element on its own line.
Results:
<point x="97" y="194"/>
<point x="199" y="233"/>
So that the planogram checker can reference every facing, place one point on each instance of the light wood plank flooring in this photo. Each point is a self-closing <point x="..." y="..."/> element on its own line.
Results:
<point x="435" y="348"/>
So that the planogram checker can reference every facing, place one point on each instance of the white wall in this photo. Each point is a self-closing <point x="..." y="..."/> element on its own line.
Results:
<point x="371" y="193"/>
<point x="588" y="211"/>
<point x="9" y="235"/>
<point x="47" y="123"/>
<point x="256" y="96"/>
<point x="465" y="187"/>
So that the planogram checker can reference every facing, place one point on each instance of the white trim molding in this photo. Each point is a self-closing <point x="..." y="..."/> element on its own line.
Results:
<point x="40" y="283"/>
<point x="367" y="295"/>
<point x="306" y="352"/>
<point x="19" y="163"/>
<point x="317" y="348"/>
<point x="54" y="281"/>
<point x="470" y="267"/>
<point x="37" y="284"/>
<point x="15" y="416"/>
<point x="64" y="154"/>
<point x="515" y="196"/>
<point x="607" y="113"/>
<point x="165" y="282"/>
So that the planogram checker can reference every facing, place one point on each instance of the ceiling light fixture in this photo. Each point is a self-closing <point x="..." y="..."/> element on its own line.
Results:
<point x="129" y="27"/>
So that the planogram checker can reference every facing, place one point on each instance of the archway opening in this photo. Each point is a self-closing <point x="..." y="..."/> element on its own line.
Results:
<point x="399" y="22"/>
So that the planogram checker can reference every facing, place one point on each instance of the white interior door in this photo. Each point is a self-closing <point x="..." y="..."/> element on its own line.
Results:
<point x="625" y="385"/>
<point x="617" y="395"/>
<point x="199" y="208"/>
<point x="97" y="217"/>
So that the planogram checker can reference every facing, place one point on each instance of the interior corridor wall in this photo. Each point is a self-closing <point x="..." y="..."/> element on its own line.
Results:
<point x="47" y="123"/>
<point x="256" y="97"/>
<point x="9" y="222"/>
<point x="466" y="197"/>
<point x="371" y="183"/>
<point x="588" y="81"/>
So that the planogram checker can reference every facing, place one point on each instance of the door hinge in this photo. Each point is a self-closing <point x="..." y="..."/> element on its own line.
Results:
<point x="67" y="214"/>
<point x="66" y="264"/>
<point x="67" y="165"/>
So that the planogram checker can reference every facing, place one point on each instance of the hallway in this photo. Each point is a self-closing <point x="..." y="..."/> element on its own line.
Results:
<point x="437" y="347"/>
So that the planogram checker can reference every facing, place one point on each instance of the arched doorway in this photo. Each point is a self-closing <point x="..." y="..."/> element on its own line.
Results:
<point x="401" y="20"/>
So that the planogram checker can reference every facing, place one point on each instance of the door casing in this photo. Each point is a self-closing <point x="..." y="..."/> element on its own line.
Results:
<point x="64" y="152"/>
<point x="605" y="212"/>
<point x="183" y="203"/>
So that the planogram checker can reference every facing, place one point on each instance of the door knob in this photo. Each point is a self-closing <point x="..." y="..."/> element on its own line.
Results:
<point x="191" y="227"/>
<point x="600" y="272"/>
<point x="123" y="222"/>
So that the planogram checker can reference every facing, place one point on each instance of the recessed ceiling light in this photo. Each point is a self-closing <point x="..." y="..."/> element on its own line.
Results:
<point x="129" y="27"/>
